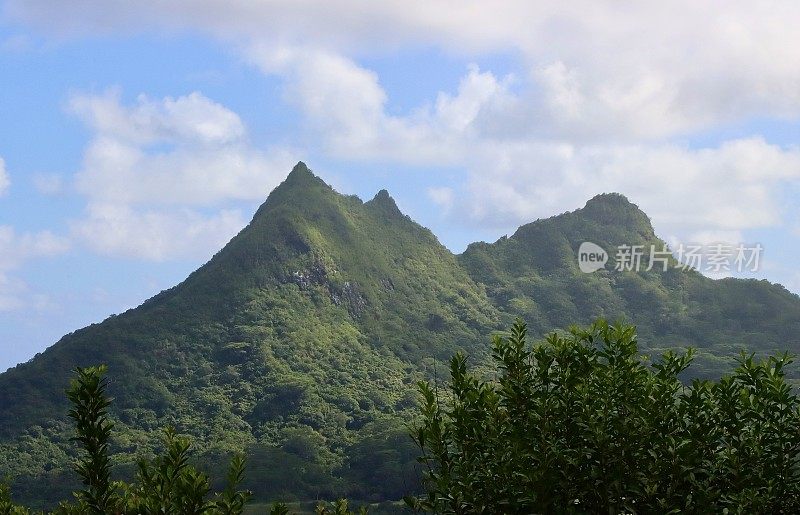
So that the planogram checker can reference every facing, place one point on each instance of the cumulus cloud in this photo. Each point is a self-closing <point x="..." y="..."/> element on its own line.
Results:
<point x="602" y="68"/>
<point x="185" y="150"/>
<point x="151" y="167"/>
<point x="190" y="119"/>
<point x="443" y="197"/>
<point x="346" y="105"/>
<point x="16" y="248"/>
<point x="602" y="92"/>
<point x="518" y="171"/>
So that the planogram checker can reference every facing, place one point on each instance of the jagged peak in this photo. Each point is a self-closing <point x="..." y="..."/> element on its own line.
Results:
<point x="302" y="176"/>
<point x="383" y="201"/>
<point x="301" y="183"/>
<point x="299" y="172"/>
<point x="383" y="196"/>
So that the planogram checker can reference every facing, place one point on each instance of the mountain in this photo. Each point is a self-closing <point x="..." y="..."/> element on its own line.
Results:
<point x="301" y="340"/>
<point x="534" y="275"/>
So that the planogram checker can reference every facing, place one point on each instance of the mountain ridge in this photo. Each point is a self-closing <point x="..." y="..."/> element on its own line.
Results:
<point x="302" y="338"/>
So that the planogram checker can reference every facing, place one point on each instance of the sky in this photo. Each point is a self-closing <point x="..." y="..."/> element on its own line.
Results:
<point x="136" y="138"/>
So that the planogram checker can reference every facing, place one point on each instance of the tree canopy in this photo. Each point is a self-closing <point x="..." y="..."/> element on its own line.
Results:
<point x="581" y="423"/>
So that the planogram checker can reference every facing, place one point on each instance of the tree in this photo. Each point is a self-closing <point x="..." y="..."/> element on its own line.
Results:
<point x="165" y="484"/>
<point x="580" y="423"/>
<point x="87" y="392"/>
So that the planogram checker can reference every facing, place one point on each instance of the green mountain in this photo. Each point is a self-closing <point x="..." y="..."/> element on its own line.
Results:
<point x="534" y="275"/>
<point x="302" y="339"/>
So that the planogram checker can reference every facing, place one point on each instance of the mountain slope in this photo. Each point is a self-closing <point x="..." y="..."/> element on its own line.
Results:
<point x="301" y="339"/>
<point x="305" y="332"/>
<point x="534" y="275"/>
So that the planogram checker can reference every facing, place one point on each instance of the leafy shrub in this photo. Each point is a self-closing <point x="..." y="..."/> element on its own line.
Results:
<point x="580" y="424"/>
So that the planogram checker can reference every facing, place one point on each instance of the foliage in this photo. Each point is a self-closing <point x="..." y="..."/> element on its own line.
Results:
<point x="170" y="484"/>
<point x="166" y="484"/>
<point x="6" y="506"/>
<point x="90" y="413"/>
<point x="580" y="424"/>
<point x="338" y="507"/>
<point x="279" y="508"/>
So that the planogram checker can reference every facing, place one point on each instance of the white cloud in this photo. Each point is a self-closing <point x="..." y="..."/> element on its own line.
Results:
<point x="346" y="105"/>
<point x="16" y="250"/>
<point x="604" y="91"/>
<point x="601" y="68"/>
<point x="12" y="293"/>
<point x="5" y="182"/>
<point x="731" y="187"/>
<point x="156" y="235"/>
<point x="716" y="237"/>
<point x="152" y="167"/>
<point x="191" y="119"/>
<point x="518" y="172"/>
<point x="187" y="151"/>
<point x="116" y="171"/>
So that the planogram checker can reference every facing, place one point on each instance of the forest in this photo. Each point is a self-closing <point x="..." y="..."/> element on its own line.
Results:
<point x="580" y="422"/>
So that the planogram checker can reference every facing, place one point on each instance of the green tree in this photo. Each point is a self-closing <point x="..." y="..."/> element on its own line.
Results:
<point x="87" y="392"/>
<point x="165" y="484"/>
<point x="580" y="423"/>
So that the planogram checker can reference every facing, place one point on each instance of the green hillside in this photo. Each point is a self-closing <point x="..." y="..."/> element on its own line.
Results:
<point x="534" y="275"/>
<point x="301" y="340"/>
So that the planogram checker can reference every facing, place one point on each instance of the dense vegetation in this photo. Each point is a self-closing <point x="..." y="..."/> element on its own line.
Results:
<point x="168" y="484"/>
<point x="533" y="275"/>
<point x="581" y="424"/>
<point x="300" y="342"/>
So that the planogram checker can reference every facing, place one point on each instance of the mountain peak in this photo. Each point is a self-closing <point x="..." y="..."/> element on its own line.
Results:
<point x="385" y="203"/>
<point x="616" y="209"/>
<point x="303" y="179"/>
<point x="300" y="172"/>
<point x="383" y="196"/>
<point x="610" y="199"/>
<point x="300" y="186"/>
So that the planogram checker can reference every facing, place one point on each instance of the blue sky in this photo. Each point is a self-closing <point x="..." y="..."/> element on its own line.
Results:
<point x="137" y="138"/>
